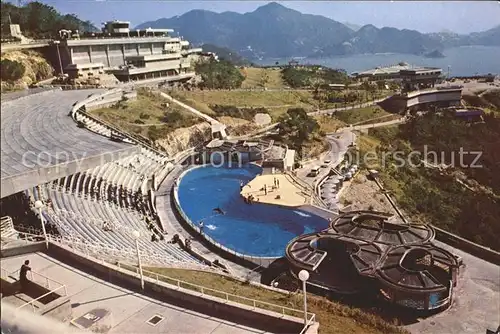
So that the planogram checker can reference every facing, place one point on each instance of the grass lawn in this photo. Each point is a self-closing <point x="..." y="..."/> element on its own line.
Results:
<point x="253" y="77"/>
<point x="148" y="110"/>
<point x="332" y="316"/>
<point x="362" y="115"/>
<point x="277" y="102"/>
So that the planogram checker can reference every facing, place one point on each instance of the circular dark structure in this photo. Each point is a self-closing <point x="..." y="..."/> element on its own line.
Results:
<point x="323" y="253"/>
<point x="376" y="227"/>
<point x="368" y="249"/>
<point x="420" y="277"/>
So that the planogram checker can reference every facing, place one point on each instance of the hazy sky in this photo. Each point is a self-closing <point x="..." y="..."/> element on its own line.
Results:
<point x="424" y="16"/>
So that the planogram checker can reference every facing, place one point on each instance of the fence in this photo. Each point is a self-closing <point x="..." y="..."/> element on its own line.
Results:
<point x="32" y="302"/>
<point x="206" y="291"/>
<point x="39" y="279"/>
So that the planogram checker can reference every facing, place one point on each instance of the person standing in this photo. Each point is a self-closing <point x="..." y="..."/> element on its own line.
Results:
<point x="22" y="274"/>
<point x="201" y="225"/>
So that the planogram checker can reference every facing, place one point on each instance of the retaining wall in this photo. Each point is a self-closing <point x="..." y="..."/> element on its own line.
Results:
<point x="467" y="246"/>
<point x="212" y="306"/>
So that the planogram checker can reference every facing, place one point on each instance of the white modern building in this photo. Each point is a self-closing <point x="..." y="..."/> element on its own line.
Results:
<point x="129" y="54"/>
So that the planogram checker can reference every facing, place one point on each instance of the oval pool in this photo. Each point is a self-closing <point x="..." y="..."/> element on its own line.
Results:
<point x="257" y="229"/>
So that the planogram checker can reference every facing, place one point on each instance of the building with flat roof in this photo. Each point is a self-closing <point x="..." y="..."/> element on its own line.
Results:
<point x="128" y="54"/>
<point x="411" y="77"/>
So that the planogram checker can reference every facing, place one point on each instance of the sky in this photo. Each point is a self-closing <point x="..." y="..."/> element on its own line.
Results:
<point x="425" y="16"/>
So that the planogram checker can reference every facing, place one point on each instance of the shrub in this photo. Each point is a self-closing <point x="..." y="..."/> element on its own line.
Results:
<point x="138" y="121"/>
<point x="144" y="116"/>
<point x="11" y="70"/>
<point x="232" y="111"/>
<point x="219" y="75"/>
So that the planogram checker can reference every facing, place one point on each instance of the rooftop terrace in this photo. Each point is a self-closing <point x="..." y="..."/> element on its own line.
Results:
<point x="129" y="310"/>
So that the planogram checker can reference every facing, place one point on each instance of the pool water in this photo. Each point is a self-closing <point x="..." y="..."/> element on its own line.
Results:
<point x="257" y="229"/>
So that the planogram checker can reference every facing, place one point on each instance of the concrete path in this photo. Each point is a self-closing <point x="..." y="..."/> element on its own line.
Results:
<point x="476" y="305"/>
<point x="339" y="143"/>
<point x="198" y="113"/>
<point x="333" y="110"/>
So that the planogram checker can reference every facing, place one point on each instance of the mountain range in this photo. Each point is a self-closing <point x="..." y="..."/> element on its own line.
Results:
<point x="275" y="31"/>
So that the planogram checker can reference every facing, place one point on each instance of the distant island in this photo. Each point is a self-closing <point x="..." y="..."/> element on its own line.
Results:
<point x="434" y="54"/>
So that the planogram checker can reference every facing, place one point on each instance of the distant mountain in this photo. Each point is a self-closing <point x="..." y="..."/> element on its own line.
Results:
<point x="270" y="31"/>
<point x="352" y="26"/>
<point x="488" y="37"/>
<point x="274" y="31"/>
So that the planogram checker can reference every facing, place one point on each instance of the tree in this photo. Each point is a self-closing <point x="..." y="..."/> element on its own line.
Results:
<point x="264" y="79"/>
<point x="38" y="20"/>
<point x="219" y="74"/>
<point x="11" y="70"/>
<point x="381" y="84"/>
<point x="296" y="127"/>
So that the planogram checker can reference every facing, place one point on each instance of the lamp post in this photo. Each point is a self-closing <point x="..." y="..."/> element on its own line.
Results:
<point x="137" y="235"/>
<point x="304" y="276"/>
<point x="59" y="56"/>
<point x="39" y="206"/>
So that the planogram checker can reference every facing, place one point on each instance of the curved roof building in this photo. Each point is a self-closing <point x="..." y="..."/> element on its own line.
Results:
<point x="363" y="249"/>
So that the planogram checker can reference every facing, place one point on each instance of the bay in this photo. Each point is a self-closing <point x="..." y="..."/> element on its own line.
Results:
<point x="462" y="61"/>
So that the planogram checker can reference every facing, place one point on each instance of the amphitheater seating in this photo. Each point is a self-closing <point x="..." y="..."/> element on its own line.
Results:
<point x="103" y="206"/>
<point x="100" y="208"/>
<point x="39" y="123"/>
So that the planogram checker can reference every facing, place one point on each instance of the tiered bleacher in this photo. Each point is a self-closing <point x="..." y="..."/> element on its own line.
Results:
<point x="100" y="210"/>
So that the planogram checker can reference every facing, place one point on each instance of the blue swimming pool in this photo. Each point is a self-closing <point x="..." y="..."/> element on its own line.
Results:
<point x="257" y="229"/>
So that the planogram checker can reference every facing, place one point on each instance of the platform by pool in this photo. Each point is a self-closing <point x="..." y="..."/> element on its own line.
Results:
<point x="250" y="229"/>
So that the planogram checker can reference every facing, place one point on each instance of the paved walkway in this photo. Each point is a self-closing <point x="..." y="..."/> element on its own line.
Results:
<point x="476" y="305"/>
<point x="129" y="310"/>
<point x="332" y="110"/>
<point x="198" y="113"/>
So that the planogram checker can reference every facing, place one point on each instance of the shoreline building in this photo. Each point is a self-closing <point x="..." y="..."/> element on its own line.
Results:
<point x="411" y="77"/>
<point x="128" y="54"/>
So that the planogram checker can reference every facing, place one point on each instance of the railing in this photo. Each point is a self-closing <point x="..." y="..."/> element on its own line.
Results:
<point x="4" y="272"/>
<point x="71" y="87"/>
<point x="114" y="253"/>
<point x="32" y="302"/>
<point x="206" y="291"/>
<point x="258" y="260"/>
<point x="309" y="322"/>
<point x="45" y="281"/>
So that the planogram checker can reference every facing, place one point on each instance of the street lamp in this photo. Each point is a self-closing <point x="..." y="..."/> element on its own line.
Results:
<point x="137" y="235"/>
<point x="39" y="206"/>
<point x="59" y="56"/>
<point x="304" y="276"/>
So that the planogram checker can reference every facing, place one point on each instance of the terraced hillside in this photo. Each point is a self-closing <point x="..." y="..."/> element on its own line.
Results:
<point x="277" y="102"/>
